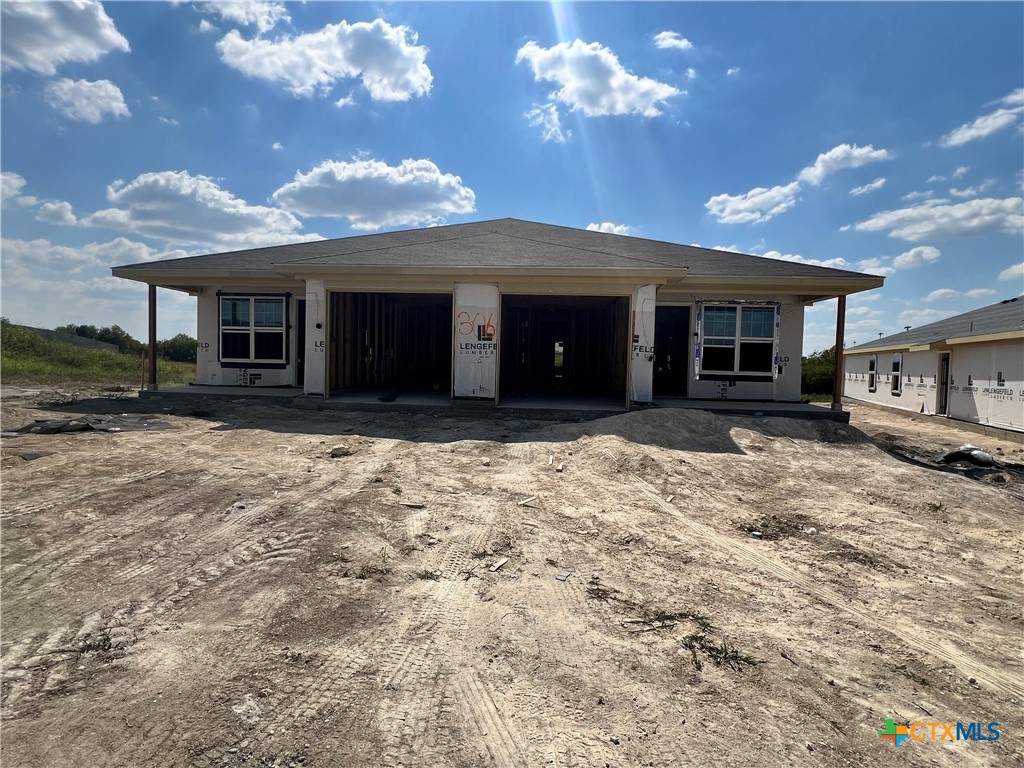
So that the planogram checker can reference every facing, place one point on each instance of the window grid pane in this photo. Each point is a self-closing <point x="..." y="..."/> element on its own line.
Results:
<point x="758" y="323"/>
<point x="234" y="313"/>
<point x="720" y="321"/>
<point x="269" y="313"/>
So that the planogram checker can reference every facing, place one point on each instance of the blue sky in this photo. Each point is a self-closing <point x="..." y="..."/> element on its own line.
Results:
<point x="871" y="136"/>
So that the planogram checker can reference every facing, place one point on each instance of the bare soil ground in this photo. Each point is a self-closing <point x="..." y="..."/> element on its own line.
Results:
<point x="227" y="594"/>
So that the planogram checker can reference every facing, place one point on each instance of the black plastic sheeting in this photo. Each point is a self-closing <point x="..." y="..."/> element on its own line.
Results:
<point x="120" y="423"/>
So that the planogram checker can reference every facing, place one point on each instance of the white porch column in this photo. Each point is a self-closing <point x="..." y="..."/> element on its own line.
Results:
<point x="642" y="344"/>
<point x="315" y="382"/>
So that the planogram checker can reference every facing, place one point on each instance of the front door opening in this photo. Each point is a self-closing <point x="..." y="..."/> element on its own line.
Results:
<point x="564" y="346"/>
<point x="942" y="393"/>
<point x="392" y="343"/>
<point x="671" y="351"/>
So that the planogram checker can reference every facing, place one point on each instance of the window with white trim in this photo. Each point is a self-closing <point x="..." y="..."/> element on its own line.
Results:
<point x="897" y="370"/>
<point x="252" y="329"/>
<point x="737" y="340"/>
<point x="872" y="373"/>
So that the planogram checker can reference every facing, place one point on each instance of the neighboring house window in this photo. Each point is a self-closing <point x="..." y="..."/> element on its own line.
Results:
<point x="873" y="373"/>
<point x="252" y="329"/>
<point x="738" y="340"/>
<point x="897" y="365"/>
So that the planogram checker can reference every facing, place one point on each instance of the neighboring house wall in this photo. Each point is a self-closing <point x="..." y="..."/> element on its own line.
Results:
<point x="917" y="385"/>
<point x="976" y="392"/>
<point x="987" y="399"/>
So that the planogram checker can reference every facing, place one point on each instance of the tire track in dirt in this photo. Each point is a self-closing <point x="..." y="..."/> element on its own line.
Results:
<point x="493" y="734"/>
<point x="1008" y="684"/>
<point x="47" y="663"/>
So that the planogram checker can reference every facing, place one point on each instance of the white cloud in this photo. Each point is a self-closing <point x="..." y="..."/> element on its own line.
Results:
<point x="11" y="184"/>
<point x="875" y="266"/>
<point x="836" y="263"/>
<point x="933" y="179"/>
<point x="42" y="36"/>
<point x="1016" y="272"/>
<point x="610" y="228"/>
<point x="924" y="195"/>
<point x="385" y="58"/>
<point x="56" y="212"/>
<point x="691" y="73"/>
<point x="372" y="194"/>
<point x="205" y="26"/>
<point x="42" y="254"/>
<point x="1013" y="99"/>
<point x="973" y="191"/>
<point x="38" y="274"/>
<point x="916" y="257"/>
<point x="669" y="39"/>
<point x="345" y="101"/>
<point x="985" y="125"/>
<point x="732" y="71"/>
<point x="917" y="317"/>
<point x="840" y="157"/>
<point x="169" y="121"/>
<point x="179" y="208"/>
<point x="546" y="117"/>
<point x="940" y="218"/>
<point x="757" y="205"/>
<point x="869" y="187"/>
<point x="277" y="146"/>
<point x="264" y="15"/>
<point x="591" y="79"/>
<point x="85" y="100"/>
<point x="761" y="204"/>
<point x="942" y="294"/>
<point x="959" y="172"/>
<point x="844" y="228"/>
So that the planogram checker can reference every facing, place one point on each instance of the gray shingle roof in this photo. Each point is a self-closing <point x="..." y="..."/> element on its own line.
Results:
<point x="1007" y="315"/>
<point x="507" y="243"/>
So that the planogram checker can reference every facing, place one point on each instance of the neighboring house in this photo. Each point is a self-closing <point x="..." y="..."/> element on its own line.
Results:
<point x="969" y="367"/>
<point x="499" y="309"/>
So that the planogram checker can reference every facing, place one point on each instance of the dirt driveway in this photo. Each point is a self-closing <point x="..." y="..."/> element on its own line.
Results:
<point x="653" y="589"/>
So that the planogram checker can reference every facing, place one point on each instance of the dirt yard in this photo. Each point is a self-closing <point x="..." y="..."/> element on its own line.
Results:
<point x="226" y="593"/>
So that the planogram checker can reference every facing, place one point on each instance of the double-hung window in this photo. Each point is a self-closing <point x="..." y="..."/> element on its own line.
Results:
<point x="872" y="373"/>
<point x="897" y="371"/>
<point x="738" y="340"/>
<point x="252" y="329"/>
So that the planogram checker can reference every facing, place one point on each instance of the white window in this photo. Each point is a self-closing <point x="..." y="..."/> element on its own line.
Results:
<point x="872" y="373"/>
<point x="897" y="369"/>
<point x="252" y="329"/>
<point x="738" y="340"/>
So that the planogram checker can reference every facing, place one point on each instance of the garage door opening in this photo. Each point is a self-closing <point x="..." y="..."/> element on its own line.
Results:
<point x="564" y="348"/>
<point x="389" y="346"/>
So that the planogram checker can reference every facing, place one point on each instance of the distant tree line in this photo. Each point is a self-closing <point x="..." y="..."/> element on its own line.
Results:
<point x="817" y="372"/>
<point x="181" y="348"/>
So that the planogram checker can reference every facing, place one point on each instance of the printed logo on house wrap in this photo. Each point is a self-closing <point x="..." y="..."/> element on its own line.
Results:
<point x="935" y="731"/>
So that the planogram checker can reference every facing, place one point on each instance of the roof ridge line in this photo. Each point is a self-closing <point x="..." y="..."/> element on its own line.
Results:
<point x="384" y="247"/>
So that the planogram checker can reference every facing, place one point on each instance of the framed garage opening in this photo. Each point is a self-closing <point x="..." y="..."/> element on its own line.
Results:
<point x="564" y="346"/>
<point x="391" y="343"/>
